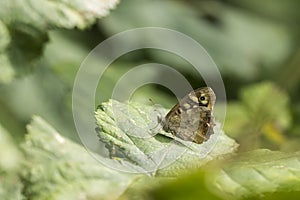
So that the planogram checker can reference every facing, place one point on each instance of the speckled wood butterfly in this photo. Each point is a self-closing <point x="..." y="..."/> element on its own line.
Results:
<point x="191" y="118"/>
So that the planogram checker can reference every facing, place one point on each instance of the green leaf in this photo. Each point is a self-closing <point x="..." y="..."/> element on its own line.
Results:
<point x="258" y="172"/>
<point x="283" y="11"/>
<point x="10" y="187"/>
<point x="45" y="15"/>
<point x="236" y="119"/>
<point x="260" y="100"/>
<point x="10" y="156"/>
<point x="7" y="72"/>
<point x="262" y="111"/>
<point x="188" y="187"/>
<point x="222" y="29"/>
<point x="24" y="27"/>
<point x="10" y="160"/>
<point x="122" y="127"/>
<point x="57" y="168"/>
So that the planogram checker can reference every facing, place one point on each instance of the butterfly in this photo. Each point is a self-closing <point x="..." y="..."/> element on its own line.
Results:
<point x="191" y="118"/>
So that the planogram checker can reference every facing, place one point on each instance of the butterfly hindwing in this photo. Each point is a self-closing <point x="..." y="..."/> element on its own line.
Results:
<point x="191" y="119"/>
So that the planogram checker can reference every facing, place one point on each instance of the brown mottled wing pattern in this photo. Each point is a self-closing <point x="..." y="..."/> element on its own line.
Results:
<point x="191" y="119"/>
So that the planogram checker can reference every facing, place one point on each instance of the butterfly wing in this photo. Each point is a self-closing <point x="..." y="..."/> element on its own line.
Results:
<point x="191" y="119"/>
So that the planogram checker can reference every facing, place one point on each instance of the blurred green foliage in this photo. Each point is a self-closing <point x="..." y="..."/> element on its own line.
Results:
<point x="10" y="159"/>
<point x="255" y="45"/>
<point x="260" y="174"/>
<point x="254" y="116"/>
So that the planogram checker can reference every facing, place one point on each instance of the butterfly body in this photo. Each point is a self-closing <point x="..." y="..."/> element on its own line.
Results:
<point x="191" y="118"/>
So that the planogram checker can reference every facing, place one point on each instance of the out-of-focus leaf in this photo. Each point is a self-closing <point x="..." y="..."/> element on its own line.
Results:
<point x="57" y="168"/>
<point x="125" y="127"/>
<point x="10" y="160"/>
<point x="238" y="41"/>
<point x="40" y="93"/>
<point x="10" y="156"/>
<point x="263" y="110"/>
<point x="139" y="189"/>
<point x="236" y="119"/>
<point x="6" y="72"/>
<point x="188" y="187"/>
<point x="24" y="26"/>
<point x="267" y="103"/>
<point x="66" y="66"/>
<point x="283" y="11"/>
<point x="291" y="195"/>
<point x="257" y="173"/>
<point x="10" y="187"/>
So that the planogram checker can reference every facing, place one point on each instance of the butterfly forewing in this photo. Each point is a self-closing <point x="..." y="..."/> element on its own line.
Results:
<point x="191" y="119"/>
